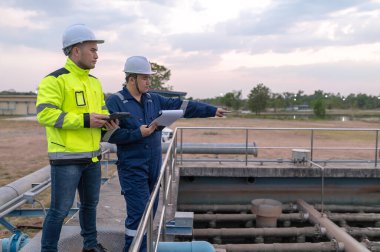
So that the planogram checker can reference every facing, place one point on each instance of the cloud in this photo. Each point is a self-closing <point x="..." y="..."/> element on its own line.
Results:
<point x="23" y="67"/>
<point x="192" y="62"/>
<point x="290" y="25"/>
<point x="212" y="42"/>
<point x="221" y="45"/>
<point x="282" y="16"/>
<point x="13" y="18"/>
<point x="355" y="77"/>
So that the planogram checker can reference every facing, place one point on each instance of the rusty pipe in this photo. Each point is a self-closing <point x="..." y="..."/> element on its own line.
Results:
<point x="371" y="245"/>
<point x="226" y="207"/>
<point x="360" y="232"/>
<point x="333" y="231"/>
<point x="354" y="217"/>
<point x="289" y="247"/>
<point x="252" y="232"/>
<point x="247" y="217"/>
<point x="348" y="208"/>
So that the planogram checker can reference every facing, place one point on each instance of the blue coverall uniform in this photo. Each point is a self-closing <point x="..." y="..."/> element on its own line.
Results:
<point x="139" y="158"/>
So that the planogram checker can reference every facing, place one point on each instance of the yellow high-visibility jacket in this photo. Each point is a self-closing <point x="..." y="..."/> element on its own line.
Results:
<point x="65" y="99"/>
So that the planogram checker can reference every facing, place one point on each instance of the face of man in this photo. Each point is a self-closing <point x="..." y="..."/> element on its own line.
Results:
<point x="86" y="54"/>
<point x="143" y="81"/>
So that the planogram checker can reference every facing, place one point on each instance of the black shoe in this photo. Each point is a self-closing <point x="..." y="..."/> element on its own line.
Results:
<point x="99" y="248"/>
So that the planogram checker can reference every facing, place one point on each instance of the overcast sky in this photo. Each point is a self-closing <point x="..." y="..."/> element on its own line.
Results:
<point x="210" y="46"/>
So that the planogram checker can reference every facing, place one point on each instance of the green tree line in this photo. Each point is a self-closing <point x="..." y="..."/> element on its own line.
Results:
<point x="261" y="98"/>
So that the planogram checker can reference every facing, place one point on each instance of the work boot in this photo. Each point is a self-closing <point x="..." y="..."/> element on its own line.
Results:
<point x="99" y="248"/>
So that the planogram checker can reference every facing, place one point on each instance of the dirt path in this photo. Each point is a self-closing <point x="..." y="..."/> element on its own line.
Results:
<point x="22" y="149"/>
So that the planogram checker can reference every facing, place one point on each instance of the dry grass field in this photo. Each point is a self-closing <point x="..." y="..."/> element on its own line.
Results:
<point x="23" y="143"/>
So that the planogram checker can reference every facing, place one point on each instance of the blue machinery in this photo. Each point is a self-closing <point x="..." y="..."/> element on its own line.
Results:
<point x="17" y="241"/>
<point x="216" y="182"/>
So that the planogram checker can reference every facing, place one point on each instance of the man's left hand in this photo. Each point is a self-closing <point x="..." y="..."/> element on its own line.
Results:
<point x="113" y="124"/>
<point x="220" y="112"/>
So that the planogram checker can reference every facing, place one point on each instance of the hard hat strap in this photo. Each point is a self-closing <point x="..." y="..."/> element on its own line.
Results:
<point x="137" y="84"/>
<point x="67" y="50"/>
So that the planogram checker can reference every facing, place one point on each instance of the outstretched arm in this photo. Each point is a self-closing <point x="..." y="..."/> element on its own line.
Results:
<point x="220" y="112"/>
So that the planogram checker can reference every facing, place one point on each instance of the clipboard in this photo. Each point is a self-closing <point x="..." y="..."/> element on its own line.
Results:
<point x="167" y="117"/>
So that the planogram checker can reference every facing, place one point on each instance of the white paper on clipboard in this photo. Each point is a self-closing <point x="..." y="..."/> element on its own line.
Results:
<point x="167" y="117"/>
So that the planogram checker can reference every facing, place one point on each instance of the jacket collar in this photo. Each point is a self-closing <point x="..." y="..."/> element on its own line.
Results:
<point x="73" y="68"/>
<point x="128" y="96"/>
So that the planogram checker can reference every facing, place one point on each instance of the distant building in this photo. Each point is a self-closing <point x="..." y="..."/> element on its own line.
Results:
<point x="25" y="105"/>
<point x="18" y="105"/>
<point x="302" y="107"/>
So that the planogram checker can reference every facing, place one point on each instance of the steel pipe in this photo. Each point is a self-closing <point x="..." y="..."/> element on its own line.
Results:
<point x="214" y="208"/>
<point x="285" y="207"/>
<point x="333" y="231"/>
<point x="201" y="148"/>
<point x="253" y="232"/>
<point x="214" y="148"/>
<point x="20" y="186"/>
<point x="349" y="208"/>
<point x="360" y="232"/>
<point x="354" y="217"/>
<point x="247" y="217"/>
<point x="289" y="247"/>
<point x="225" y="208"/>
<point x="26" y="197"/>
<point x="371" y="245"/>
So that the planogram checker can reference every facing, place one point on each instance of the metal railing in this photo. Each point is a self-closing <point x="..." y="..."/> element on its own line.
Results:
<point x="175" y="153"/>
<point x="312" y="132"/>
<point x="165" y="179"/>
<point x="322" y="185"/>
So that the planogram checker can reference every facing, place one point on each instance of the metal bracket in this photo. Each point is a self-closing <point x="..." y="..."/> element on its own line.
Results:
<point x="8" y="225"/>
<point x="181" y="225"/>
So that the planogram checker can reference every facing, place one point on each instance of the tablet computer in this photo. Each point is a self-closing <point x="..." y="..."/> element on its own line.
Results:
<point x="118" y="115"/>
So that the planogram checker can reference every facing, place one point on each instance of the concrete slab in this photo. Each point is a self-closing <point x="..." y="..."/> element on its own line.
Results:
<point x="278" y="169"/>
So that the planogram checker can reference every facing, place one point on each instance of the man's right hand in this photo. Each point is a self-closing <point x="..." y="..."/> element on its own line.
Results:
<point x="147" y="131"/>
<point x="97" y="120"/>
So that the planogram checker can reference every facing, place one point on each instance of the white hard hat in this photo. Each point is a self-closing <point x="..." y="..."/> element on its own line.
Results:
<point x="138" y="65"/>
<point x="78" y="33"/>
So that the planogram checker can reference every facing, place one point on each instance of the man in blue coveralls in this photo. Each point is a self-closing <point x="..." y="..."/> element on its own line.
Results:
<point x="138" y="146"/>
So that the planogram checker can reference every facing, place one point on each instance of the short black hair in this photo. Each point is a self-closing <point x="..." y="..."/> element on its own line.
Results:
<point x="130" y="75"/>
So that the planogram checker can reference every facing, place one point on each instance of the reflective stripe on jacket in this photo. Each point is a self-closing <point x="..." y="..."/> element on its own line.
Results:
<point x="132" y="148"/>
<point x="65" y="99"/>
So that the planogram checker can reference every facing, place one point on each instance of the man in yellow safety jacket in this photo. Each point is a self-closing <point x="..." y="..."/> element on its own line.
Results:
<point x="70" y="104"/>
